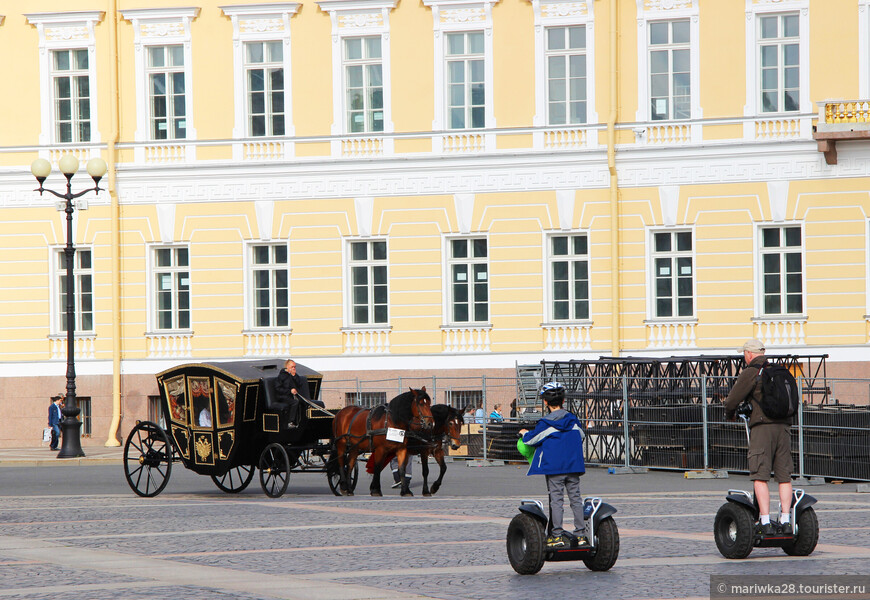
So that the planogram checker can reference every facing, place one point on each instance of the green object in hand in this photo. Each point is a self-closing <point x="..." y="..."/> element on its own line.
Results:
<point x="526" y="450"/>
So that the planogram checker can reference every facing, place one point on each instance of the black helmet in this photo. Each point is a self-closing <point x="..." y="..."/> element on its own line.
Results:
<point x="552" y="391"/>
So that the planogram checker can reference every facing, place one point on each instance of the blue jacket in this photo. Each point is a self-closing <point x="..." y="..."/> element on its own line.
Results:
<point x="558" y="442"/>
<point x="54" y="415"/>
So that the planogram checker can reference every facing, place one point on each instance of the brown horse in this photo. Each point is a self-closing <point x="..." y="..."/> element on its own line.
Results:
<point x="357" y="429"/>
<point x="448" y="423"/>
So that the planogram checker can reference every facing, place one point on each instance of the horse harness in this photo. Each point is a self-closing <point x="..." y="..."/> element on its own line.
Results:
<point x="371" y="433"/>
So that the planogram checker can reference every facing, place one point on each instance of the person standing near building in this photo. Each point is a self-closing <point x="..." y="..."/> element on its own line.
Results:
<point x="54" y="418"/>
<point x="769" y="440"/>
<point x="495" y="416"/>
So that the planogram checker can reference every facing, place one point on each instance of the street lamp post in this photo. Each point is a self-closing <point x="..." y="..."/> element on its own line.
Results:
<point x="41" y="168"/>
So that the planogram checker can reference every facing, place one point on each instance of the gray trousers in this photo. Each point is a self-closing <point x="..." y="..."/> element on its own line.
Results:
<point x="557" y="485"/>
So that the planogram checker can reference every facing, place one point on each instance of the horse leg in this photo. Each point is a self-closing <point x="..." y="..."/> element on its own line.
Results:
<point x="424" y="468"/>
<point x="348" y="469"/>
<point x="377" y="459"/>
<point x="402" y="456"/>
<point x="438" y="453"/>
<point x="340" y="448"/>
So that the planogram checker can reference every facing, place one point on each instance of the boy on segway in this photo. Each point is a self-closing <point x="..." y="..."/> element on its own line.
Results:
<point x="557" y="440"/>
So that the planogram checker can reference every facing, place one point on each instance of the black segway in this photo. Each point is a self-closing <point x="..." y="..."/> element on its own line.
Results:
<point x="737" y="530"/>
<point x="527" y="534"/>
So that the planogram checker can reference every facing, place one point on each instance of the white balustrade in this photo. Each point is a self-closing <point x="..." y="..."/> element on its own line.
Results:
<point x="564" y="139"/>
<point x="567" y="337"/>
<point x="367" y="341"/>
<point x="778" y="129"/>
<point x="463" y="143"/>
<point x="671" y="334"/>
<point x="362" y="147"/>
<point x="669" y="134"/>
<point x="780" y="332"/>
<point x="85" y="347"/>
<point x="165" y="153"/>
<point x="466" y="338"/>
<point x="169" y="345"/>
<point x="263" y="150"/>
<point x="267" y="343"/>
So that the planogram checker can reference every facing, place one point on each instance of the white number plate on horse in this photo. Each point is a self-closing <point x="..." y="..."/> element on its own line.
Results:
<point x="395" y="435"/>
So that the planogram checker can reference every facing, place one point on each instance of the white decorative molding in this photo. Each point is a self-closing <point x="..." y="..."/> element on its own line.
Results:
<point x="260" y="23"/>
<point x="568" y="336"/>
<point x="565" y="201"/>
<point x="466" y="338"/>
<point x="354" y="18"/>
<point x="166" y="221"/>
<point x="664" y="132"/>
<point x="785" y="331"/>
<point x="669" y="197"/>
<point x="863" y="49"/>
<point x="671" y="334"/>
<point x="158" y="27"/>
<point x="364" y="210"/>
<point x="65" y="31"/>
<point x="567" y="9"/>
<point x="265" y="210"/>
<point x="267" y="343"/>
<point x="366" y="340"/>
<point x="464" y="204"/>
<point x="777" y="192"/>
<point x="169" y="345"/>
<point x="85" y="347"/>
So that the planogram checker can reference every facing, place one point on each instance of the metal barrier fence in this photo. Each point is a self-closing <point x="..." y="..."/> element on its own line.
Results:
<point x="670" y="423"/>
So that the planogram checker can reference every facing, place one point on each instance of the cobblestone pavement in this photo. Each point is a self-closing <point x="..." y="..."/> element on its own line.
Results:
<point x="194" y="542"/>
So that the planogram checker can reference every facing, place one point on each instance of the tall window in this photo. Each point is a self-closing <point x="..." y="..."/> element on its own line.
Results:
<point x="569" y="269"/>
<point x="72" y="96"/>
<point x="674" y="274"/>
<point x="84" y="404"/>
<point x="779" y="55"/>
<point x="466" y="97"/>
<point x="670" y="70"/>
<point x="566" y="75"/>
<point x="782" y="270"/>
<point x="166" y="92"/>
<point x="364" y="84"/>
<point x="368" y="282"/>
<point x="264" y="77"/>
<point x="171" y="288"/>
<point x="155" y="411"/>
<point x="469" y="280"/>
<point x="462" y="398"/>
<point x="83" y="274"/>
<point x="368" y="399"/>
<point x="271" y="292"/>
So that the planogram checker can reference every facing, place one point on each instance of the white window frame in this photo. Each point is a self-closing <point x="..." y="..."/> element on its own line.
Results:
<point x="457" y="16"/>
<point x="651" y="274"/>
<point x="448" y="281"/>
<point x="259" y="23"/>
<point x="759" y="272"/>
<point x="863" y="48"/>
<point x="563" y="13"/>
<point x="58" y="307"/>
<point x="161" y="27"/>
<point x="754" y="10"/>
<point x="168" y="71"/>
<point x="151" y="288"/>
<point x="676" y="10"/>
<point x="347" y="267"/>
<point x="250" y="307"/>
<point x="351" y="19"/>
<point x="549" y="258"/>
<point x="65" y="31"/>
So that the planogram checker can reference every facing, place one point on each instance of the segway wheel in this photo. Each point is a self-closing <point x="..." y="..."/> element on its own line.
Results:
<point x="606" y="546"/>
<point x="525" y="544"/>
<point x="734" y="530"/>
<point x="807" y="537"/>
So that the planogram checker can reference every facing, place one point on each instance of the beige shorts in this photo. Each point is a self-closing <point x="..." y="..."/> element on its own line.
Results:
<point x="770" y="449"/>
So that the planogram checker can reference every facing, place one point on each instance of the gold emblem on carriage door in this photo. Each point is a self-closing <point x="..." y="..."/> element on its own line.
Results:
<point x="203" y="447"/>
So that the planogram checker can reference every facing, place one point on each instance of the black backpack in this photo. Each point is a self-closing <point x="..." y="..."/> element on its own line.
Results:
<point x="779" y="391"/>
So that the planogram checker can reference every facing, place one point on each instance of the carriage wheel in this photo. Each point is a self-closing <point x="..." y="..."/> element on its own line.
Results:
<point x="235" y="480"/>
<point x="274" y="470"/>
<point x="334" y="478"/>
<point x="147" y="459"/>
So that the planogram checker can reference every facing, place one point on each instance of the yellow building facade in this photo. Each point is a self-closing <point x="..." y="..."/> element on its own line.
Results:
<point x="383" y="186"/>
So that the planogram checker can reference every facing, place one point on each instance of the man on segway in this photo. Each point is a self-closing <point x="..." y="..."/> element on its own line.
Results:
<point x="769" y="439"/>
<point x="558" y="443"/>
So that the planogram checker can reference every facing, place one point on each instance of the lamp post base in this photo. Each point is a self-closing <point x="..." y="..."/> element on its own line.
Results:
<point x="71" y="446"/>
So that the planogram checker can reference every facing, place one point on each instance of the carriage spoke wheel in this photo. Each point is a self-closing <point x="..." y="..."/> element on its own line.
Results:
<point x="147" y="459"/>
<point x="235" y="480"/>
<point x="334" y="478"/>
<point x="274" y="470"/>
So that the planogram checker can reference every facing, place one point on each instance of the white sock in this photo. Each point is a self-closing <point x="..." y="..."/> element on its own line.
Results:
<point x="765" y="519"/>
<point x="784" y="518"/>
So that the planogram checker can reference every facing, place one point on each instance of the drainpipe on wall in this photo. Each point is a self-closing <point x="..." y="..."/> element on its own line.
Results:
<point x="116" y="225"/>
<point x="615" y="325"/>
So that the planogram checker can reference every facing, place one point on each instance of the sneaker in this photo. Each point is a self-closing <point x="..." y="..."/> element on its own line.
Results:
<point x="785" y="528"/>
<point x="397" y="484"/>
<point x="292" y="425"/>
<point x="769" y="529"/>
<point x="554" y="543"/>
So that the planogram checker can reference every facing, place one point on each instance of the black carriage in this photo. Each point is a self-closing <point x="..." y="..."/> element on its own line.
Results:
<point x="223" y="420"/>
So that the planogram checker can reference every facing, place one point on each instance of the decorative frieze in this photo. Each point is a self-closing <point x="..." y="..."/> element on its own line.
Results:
<point x="463" y="16"/>
<point x="560" y="10"/>
<point x="161" y="30"/>
<point x="78" y="33"/>
<point x="667" y="4"/>
<point x="361" y="20"/>
<point x="264" y="25"/>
